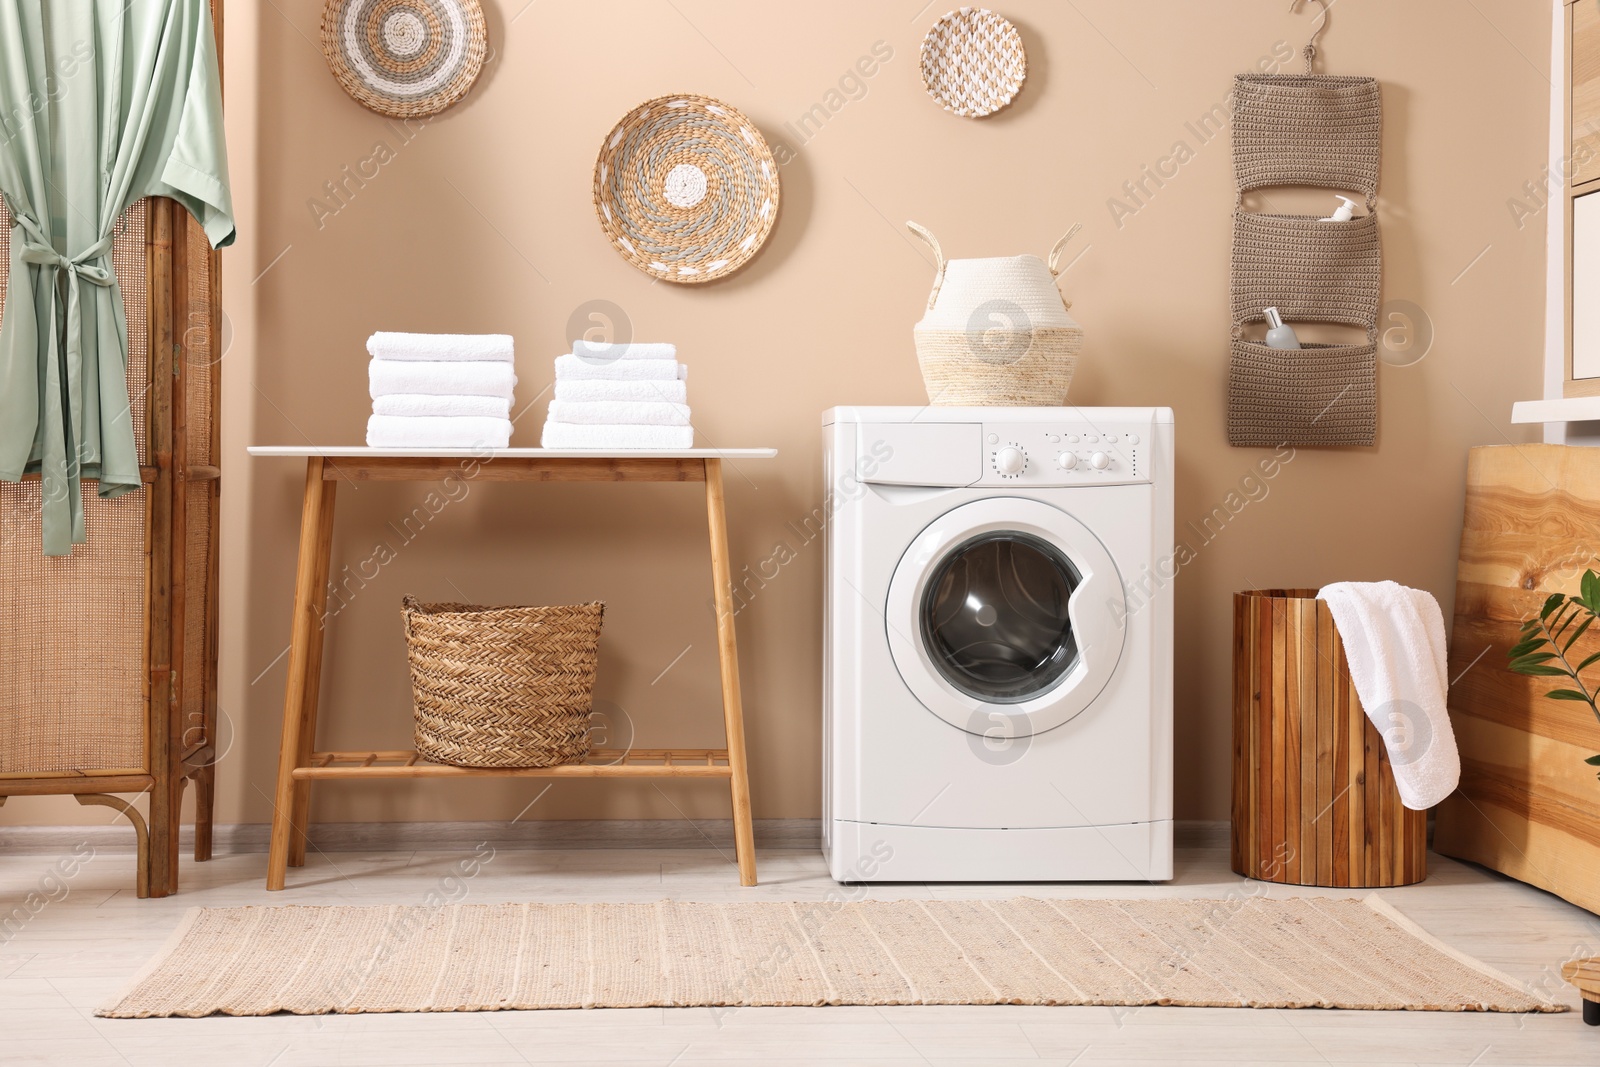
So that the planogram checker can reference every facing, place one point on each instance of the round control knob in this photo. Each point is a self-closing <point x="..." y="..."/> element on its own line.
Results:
<point x="1067" y="461"/>
<point x="1010" y="460"/>
<point x="1099" y="461"/>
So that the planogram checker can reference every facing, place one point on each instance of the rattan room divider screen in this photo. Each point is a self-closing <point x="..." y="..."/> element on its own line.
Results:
<point x="108" y="657"/>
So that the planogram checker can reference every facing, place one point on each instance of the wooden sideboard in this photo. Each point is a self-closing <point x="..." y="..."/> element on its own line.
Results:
<point x="1528" y="805"/>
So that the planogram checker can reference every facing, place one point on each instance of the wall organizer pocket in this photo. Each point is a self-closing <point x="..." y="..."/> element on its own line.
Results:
<point x="1311" y="130"/>
<point x="1310" y="270"/>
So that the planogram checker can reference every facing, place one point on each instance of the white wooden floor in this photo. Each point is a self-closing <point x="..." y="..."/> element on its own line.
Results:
<point x="77" y="951"/>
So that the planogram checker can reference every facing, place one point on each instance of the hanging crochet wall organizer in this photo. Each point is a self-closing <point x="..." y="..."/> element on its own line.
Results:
<point x="405" y="58"/>
<point x="1322" y="131"/>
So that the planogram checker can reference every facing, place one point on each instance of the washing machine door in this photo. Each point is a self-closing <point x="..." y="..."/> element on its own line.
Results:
<point x="1005" y="613"/>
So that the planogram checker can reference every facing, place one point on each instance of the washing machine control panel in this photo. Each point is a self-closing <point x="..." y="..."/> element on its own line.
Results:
<point x="1066" y="453"/>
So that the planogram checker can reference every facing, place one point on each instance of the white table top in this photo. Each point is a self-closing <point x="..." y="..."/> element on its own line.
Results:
<point x="363" y="452"/>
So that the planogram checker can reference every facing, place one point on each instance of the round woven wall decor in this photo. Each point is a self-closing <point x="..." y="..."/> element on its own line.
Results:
<point x="973" y="62"/>
<point x="686" y="188"/>
<point x="405" y="58"/>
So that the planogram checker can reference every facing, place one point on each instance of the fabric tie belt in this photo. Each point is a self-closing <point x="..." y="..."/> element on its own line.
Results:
<point x="61" y="415"/>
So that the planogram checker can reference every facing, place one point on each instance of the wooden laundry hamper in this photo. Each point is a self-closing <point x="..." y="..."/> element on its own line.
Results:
<point x="108" y="657"/>
<point x="1314" y="797"/>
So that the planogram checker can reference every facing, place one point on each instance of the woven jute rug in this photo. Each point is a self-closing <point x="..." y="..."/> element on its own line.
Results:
<point x="1244" y="952"/>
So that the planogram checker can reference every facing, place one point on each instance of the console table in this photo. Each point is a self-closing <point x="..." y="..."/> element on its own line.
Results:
<point x="299" y="764"/>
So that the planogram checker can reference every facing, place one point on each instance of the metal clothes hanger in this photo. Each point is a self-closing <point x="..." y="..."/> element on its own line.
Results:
<point x="1310" y="50"/>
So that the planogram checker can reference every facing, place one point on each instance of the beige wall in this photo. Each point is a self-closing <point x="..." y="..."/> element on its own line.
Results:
<point x="481" y="221"/>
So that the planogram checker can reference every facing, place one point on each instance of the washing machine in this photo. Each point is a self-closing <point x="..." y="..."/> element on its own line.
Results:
<point x="997" y="666"/>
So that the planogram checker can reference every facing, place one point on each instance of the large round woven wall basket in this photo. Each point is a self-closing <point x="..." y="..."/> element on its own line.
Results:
<point x="973" y="62"/>
<point x="686" y="188"/>
<point x="405" y="58"/>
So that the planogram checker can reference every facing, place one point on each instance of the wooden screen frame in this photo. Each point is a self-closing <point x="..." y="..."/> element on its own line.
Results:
<point x="179" y="740"/>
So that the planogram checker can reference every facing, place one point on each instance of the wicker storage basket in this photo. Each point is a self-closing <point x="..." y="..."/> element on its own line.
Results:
<point x="502" y="687"/>
<point x="996" y="331"/>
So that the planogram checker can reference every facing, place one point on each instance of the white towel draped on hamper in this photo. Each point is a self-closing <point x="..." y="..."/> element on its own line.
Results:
<point x="1393" y="637"/>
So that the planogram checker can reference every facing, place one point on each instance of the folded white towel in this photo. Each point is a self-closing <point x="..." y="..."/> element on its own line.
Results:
<point x="605" y="351"/>
<point x="489" y="407"/>
<point x="438" y="378"/>
<point x="1394" y="639"/>
<point x="401" y="431"/>
<point x="571" y="435"/>
<point x="601" y="389"/>
<point x="438" y="347"/>
<point x="619" y="412"/>
<point x="666" y="370"/>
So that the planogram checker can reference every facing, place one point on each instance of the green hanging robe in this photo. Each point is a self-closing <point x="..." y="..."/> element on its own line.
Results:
<point x="102" y="102"/>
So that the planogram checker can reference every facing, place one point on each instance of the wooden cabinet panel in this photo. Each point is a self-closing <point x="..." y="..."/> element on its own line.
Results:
<point x="1527" y="804"/>
<point x="1585" y="73"/>
<point x="1586" y="286"/>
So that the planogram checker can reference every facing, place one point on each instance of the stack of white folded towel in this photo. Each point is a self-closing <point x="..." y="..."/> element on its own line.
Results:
<point x="440" y="390"/>
<point x="619" y="396"/>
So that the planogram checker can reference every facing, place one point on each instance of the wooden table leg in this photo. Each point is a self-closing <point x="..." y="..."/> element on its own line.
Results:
<point x="728" y="659"/>
<point x="300" y="816"/>
<point x="299" y="727"/>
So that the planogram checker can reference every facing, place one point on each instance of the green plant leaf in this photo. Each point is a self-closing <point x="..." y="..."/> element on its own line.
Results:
<point x="1588" y="622"/>
<point x="1533" y="657"/>
<point x="1591" y="590"/>
<point x="1593" y="761"/>
<point x="1551" y="603"/>
<point x="1526" y="645"/>
<point x="1564" y="618"/>
<point x="1530" y="625"/>
<point x="1590" y="661"/>
<point x="1542" y="670"/>
<point x="1567" y="694"/>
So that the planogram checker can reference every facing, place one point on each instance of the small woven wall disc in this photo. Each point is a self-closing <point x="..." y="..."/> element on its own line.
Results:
<point x="686" y="188"/>
<point x="405" y="58"/>
<point x="973" y="62"/>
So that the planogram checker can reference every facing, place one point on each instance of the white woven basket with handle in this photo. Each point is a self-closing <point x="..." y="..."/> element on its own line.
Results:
<point x="997" y="331"/>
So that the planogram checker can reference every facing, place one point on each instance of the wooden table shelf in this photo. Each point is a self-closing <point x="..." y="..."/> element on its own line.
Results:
<point x="602" y="763"/>
<point x="299" y="764"/>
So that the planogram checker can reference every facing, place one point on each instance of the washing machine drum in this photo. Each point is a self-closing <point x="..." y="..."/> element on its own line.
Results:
<point x="1006" y="612"/>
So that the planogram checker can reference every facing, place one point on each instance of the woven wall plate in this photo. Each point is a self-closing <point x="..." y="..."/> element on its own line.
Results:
<point x="405" y="58"/>
<point x="973" y="62"/>
<point x="686" y="188"/>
